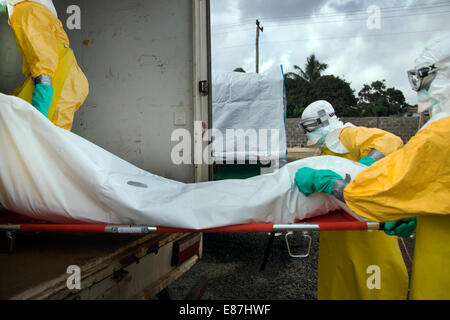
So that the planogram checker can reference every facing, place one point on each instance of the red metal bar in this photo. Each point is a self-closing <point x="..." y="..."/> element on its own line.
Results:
<point x="339" y="220"/>
<point x="99" y="228"/>
<point x="258" y="227"/>
<point x="355" y="225"/>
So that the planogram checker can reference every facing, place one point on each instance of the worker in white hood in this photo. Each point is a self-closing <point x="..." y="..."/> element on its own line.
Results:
<point x="415" y="180"/>
<point x="318" y="121"/>
<point x="345" y="255"/>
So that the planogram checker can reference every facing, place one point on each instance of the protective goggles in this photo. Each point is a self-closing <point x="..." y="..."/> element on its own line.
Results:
<point x="422" y="78"/>
<point x="311" y="124"/>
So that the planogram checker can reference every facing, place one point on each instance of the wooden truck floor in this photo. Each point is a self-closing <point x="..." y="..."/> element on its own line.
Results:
<point x="113" y="266"/>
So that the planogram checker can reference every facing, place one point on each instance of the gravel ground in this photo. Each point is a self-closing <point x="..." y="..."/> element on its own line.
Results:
<point x="231" y="263"/>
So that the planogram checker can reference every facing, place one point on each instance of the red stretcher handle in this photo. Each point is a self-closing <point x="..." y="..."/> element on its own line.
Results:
<point x="40" y="227"/>
<point x="356" y="225"/>
<point x="258" y="227"/>
<point x="269" y="227"/>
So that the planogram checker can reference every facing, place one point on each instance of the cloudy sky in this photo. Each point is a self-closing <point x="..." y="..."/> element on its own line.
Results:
<point x="336" y="31"/>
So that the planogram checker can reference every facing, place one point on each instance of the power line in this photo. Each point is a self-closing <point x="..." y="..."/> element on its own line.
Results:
<point x="341" y="14"/>
<point x="335" y="21"/>
<point x="365" y="18"/>
<point x="339" y="38"/>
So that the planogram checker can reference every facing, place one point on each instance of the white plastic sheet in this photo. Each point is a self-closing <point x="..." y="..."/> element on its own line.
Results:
<point x="52" y="174"/>
<point x="249" y="101"/>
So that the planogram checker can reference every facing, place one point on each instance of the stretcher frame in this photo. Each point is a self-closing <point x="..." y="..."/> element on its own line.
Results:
<point x="334" y="221"/>
<point x="320" y="223"/>
<point x="129" y="229"/>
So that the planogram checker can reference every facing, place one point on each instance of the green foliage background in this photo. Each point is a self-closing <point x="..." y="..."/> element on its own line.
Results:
<point x="308" y="84"/>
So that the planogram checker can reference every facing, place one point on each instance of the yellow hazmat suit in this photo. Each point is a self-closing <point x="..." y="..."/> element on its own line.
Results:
<point x="346" y="257"/>
<point x="44" y="46"/>
<point x="415" y="180"/>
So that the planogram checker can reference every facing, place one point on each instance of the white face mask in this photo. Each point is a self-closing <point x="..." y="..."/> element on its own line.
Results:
<point x="318" y="136"/>
<point x="426" y="100"/>
<point x="2" y="6"/>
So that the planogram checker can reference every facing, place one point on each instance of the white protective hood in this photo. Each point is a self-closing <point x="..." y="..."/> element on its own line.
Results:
<point x="438" y="52"/>
<point x="52" y="174"/>
<point x="333" y="141"/>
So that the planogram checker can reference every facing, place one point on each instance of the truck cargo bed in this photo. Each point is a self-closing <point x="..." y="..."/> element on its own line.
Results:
<point x="112" y="266"/>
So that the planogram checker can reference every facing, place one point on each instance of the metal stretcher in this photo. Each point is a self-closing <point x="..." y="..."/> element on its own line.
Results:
<point x="337" y="220"/>
<point x="10" y="223"/>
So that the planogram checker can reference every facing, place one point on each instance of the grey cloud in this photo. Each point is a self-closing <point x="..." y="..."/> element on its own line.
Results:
<point x="278" y="8"/>
<point x="347" y="6"/>
<point x="375" y="55"/>
<point x="355" y="5"/>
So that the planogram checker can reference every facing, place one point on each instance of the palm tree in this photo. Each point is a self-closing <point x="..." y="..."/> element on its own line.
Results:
<point x="313" y="69"/>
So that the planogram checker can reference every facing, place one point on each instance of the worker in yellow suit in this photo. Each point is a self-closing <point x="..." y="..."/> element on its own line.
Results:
<point x="414" y="180"/>
<point x="55" y="85"/>
<point x="345" y="256"/>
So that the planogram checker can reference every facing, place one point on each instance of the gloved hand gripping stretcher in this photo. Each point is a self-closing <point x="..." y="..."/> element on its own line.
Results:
<point x="53" y="175"/>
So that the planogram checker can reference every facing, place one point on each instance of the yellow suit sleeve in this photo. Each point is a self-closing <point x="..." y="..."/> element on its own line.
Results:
<point x="34" y="28"/>
<point x="360" y="140"/>
<point x="414" y="180"/>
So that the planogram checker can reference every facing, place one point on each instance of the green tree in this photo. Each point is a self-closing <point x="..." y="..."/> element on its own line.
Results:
<point x="239" y="70"/>
<point x="338" y="92"/>
<point x="299" y="85"/>
<point x="378" y="100"/>
<point x="313" y="69"/>
<point x="297" y="94"/>
<point x="309" y="85"/>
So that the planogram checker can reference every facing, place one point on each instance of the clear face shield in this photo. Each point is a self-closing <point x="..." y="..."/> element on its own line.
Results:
<point x="421" y="78"/>
<point x="317" y="127"/>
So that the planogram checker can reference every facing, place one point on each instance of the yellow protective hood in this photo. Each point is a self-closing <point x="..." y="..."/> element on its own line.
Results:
<point x="10" y="4"/>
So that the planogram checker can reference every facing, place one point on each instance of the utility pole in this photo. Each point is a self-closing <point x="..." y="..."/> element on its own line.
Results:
<point x="258" y="28"/>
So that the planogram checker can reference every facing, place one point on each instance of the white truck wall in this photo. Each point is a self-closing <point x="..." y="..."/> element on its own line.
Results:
<point x="137" y="56"/>
<point x="10" y="59"/>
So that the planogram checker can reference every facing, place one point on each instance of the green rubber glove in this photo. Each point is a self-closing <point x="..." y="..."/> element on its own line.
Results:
<point x="309" y="180"/>
<point x="402" y="227"/>
<point x="368" y="161"/>
<point x="42" y="98"/>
